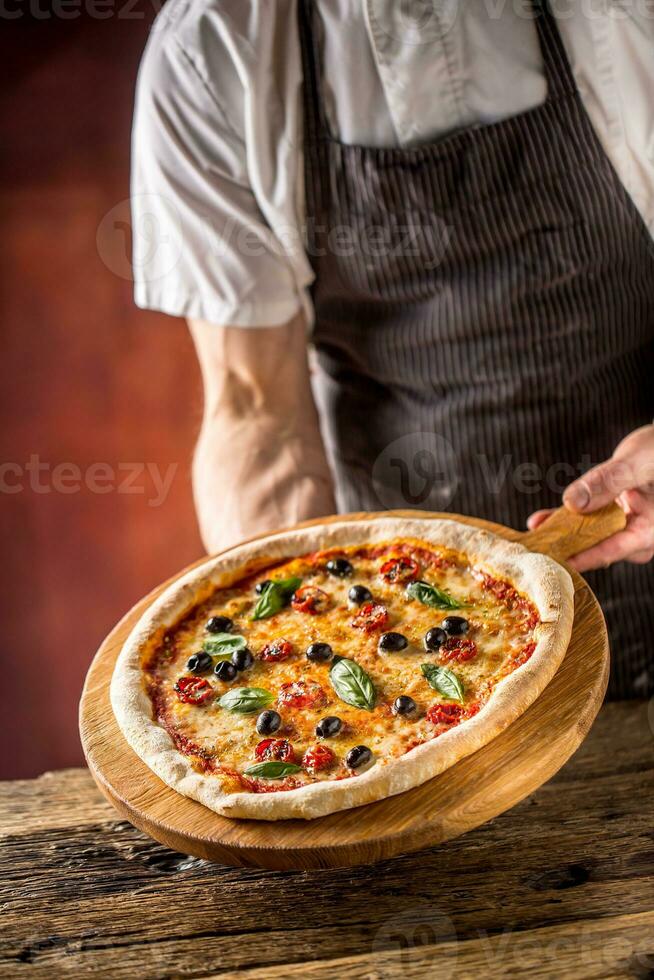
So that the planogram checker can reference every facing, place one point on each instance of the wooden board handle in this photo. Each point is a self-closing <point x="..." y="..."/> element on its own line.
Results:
<point x="565" y="533"/>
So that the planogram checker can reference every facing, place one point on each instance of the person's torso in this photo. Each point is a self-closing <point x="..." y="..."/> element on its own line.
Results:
<point x="484" y="317"/>
<point x="396" y="74"/>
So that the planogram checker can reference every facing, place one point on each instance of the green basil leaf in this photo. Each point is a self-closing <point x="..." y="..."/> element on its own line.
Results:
<point x="429" y="595"/>
<point x="275" y="596"/>
<point x="223" y="645"/>
<point x="272" y="770"/>
<point x="444" y="681"/>
<point x="245" y="699"/>
<point x="352" y="684"/>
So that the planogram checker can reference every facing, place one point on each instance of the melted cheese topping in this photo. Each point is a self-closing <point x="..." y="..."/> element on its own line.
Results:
<point x="222" y="743"/>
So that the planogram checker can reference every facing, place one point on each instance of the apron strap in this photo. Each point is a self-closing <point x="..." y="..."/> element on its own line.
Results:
<point x="316" y="123"/>
<point x="558" y="72"/>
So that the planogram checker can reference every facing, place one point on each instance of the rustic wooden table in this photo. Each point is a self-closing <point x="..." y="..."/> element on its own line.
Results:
<point x="560" y="886"/>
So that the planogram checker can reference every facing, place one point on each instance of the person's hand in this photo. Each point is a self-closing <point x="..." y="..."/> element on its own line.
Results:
<point x="628" y="478"/>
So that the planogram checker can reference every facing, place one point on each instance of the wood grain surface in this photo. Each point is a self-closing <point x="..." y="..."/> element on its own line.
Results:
<point x="561" y="886"/>
<point x="479" y="787"/>
<point x="566" y="533"/>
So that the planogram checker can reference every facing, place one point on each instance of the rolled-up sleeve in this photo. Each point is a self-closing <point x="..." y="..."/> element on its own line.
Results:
<point x="201" y="245"/>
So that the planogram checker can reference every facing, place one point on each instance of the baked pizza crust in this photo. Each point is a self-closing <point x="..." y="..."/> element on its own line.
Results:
<point x="543" y="580"/>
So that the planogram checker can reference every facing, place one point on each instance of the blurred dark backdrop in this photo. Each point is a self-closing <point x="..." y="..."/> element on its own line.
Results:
<point x="86" y="378"/>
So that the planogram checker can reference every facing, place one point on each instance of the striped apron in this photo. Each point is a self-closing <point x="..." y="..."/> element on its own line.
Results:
<point x="484" y="320"/>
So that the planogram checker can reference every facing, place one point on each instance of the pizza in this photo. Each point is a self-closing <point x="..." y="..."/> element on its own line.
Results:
<point x="327" y="667"/>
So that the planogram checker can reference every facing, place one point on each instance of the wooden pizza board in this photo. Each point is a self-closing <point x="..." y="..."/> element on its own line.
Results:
<point x="477" y="788"/>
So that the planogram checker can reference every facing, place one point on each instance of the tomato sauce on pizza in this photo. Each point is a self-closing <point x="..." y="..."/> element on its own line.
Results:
<point x="322" y="666"/>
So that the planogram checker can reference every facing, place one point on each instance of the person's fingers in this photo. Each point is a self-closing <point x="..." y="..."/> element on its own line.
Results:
<point x="635" y="543"/>
<point x="600" y="485"/>
<point x="639" y="508"/>
<point x="615" y="548"/>
<point x="536" y="519"/>
<point x="630" y="467"/>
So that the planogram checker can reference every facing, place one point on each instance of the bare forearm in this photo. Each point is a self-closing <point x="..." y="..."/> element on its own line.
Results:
<point x="259" y="462"/>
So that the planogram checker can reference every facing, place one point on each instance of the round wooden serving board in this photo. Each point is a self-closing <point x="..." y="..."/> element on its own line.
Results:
<point x="477" y="788"/>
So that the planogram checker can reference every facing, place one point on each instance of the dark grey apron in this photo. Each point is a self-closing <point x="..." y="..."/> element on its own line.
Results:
<point x="484" y="320"/>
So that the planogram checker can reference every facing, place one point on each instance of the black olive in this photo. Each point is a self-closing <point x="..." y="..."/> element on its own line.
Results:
<point x="328" y="727"/>
<point x="404" y="705"/>
<point x="225" y="670"/>
<point x="340" y="567"/>
<point x="359" y="594"/>
<point x="456" y="625"/>
<point x="319" y="652"/>
<point x="242" y="659"/>
<point x="392" y="642"/>
<point x="260" y="586"/>
<point x="268" y="722"/>
<point x="219" y="624"/>
<point x="358" y="756"/>
<point x="199" y="663"/>
<point x="434" y="638"/>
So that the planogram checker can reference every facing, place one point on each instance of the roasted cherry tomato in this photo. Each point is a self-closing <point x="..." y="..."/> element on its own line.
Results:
<point x="445" y="714"/>
<point x="372" y="616"/>
<point x="458" y="648"/>
<point x="318" y="758"/>
<point x="193" y="690"/>
<point x="310" y="599"/>
<point x="532" y="619"/>
<point x="399" y="570"/>
<point x="301" y="694"/>
<point x="523" y="655"/>
<point x="274" y="750"/>
<point x="277" y="651"/>
<point x="501" y="590"/>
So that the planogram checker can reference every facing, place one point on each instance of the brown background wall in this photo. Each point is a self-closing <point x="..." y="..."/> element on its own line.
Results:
<point x="86" y="378"/>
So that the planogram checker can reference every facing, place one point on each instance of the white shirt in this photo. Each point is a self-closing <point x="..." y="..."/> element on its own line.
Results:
<point x="217" y="177"/>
